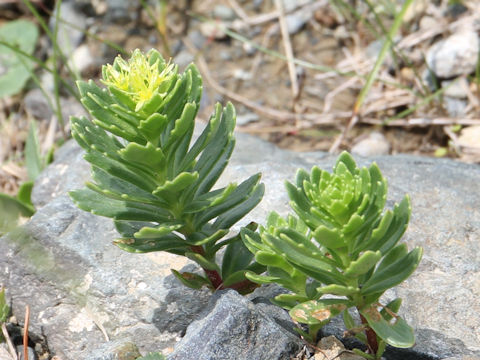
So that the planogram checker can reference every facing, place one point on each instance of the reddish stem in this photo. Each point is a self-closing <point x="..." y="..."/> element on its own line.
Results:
<point x="371" y="336"/>
<point x="212" y="275"/>
<point x="243" y="287"/>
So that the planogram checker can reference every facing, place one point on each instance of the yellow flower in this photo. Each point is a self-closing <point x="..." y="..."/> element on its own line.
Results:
<point x="138" y="77"/>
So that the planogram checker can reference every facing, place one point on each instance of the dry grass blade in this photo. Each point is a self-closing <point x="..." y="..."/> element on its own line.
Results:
<point x="11" y="348"/>
<point x="25" y="333"/>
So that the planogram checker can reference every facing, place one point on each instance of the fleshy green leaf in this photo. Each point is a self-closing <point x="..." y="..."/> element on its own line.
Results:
<point x="396" y="332"/>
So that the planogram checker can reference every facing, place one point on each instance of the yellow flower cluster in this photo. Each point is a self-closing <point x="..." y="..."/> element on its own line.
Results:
<point x="138" y="77"/>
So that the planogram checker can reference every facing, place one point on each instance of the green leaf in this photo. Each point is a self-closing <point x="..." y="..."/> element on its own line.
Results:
<point x="4" y="308"/>
<point x="363" y="264"/>
<point x="171" y="187"/>
<point x="396" y="333"/>
<point x="156" y="232"/>
<point x="236" y="258"/>
<point x="147" y="155"/>
<point x="202" y="261"/>
<point x="393" y="274"/>
<point x="24" y="195"/>
<point x="340" y="290"/>
<point x="319" y="312"/>
<point x="33" y="160"/>
<point x="191" y="280"/>
<point x="152" y="127"/>
<point x="21" y="35"/>
<point x="12" y="211"/>
<point x="152" y="356"/>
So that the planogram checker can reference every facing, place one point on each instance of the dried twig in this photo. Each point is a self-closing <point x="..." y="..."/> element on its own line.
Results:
<point x="25" y="332"/>
<point x="287" y="44"/>
<point x="11" y="348"/>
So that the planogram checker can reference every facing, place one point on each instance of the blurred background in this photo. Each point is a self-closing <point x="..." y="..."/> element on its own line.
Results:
<point x="370" y="76"/>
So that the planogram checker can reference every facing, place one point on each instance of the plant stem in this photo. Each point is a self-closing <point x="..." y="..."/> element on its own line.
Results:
<point x="213" y="275"/>
<point x="371" y="336"/>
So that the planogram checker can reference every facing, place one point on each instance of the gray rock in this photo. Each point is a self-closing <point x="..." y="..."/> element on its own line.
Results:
<point x="238" y="330"/>
<point x="69" y="38"/>
<point x="82" y="59"/>
<point x="455" y="107"/>
<point x="37" y="105"/>
<point x="297" y="20"/>
<point x="456" y="55"/>
<point x="121" y="11"/>
<point x="247" y="118"/>
<point x="457" y="88"/>
<point x="183" y="59"/>
<point x="115" y="350"/>
<point x="79" y="285"/>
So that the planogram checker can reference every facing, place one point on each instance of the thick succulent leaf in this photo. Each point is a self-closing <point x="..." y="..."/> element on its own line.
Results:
<point x="235" y="197"/>
<point x="202" y="261"/>
<point x="152" y="127"/>
<point x="392" y="274"/>
<point x="318" y="312"/>
<point x="203" y="140"/>
<point x="396" y="332"/>
<point x="340" y="290"/>
<point x="202" y="238"/>
<point x="191" y="280"/>
<point x="236" y="258"/>
<point x="393" y="307"/>
<point x="252" y="241"/>
<point x="171" y="187"/>
<point x="169" y="242"/>
<point x="330" y="238"/>
<point x="261" y="279"/>
<point x="268" y="258"/>
<point x="363" y="264"/>
<point x="237" y="212"/>
<point x="4" y="308"/>
<point x="182" y="124"/>
<point x="121" y="189"/>
<point x="156" y="232"/>
<point x="398" y="226"/>
<point x="239" y="276"/>
<point x="147" y="155"/>
<point x="118" y="169"/>
<point x="91" y="137"/>
<point x="89" y="200"/>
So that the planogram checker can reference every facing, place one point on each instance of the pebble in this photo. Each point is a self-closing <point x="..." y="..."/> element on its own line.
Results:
<point x="223" y="12"/>
<point x="69" y="38"/>
<point x="375" y="144"/>
<point x="247" y="118"/>
<point x="456" y="55"/>
<point x="296" y="21"/>
<point x="183" y="59"/>
<point x="455" y="107"/>
<point x="37" y="105"/>
<point x="470" y="137"/>
<point x="31" y="353"/>
<point x="213" y="30"/>
<point x="82" y="59"/>
<point x="457" y="88"/>
<point x="197" y="38"/>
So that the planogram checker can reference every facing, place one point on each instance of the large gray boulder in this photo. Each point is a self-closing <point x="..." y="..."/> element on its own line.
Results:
<point x="82" y="290"/>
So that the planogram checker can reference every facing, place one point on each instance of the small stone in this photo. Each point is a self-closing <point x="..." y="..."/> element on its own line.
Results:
<point x="183" y="59"/>
<point x="455" y="107"/>
<point x="223" y="12"/>
<point x="197" y="38"/>
<point x="457" y="88"/>
<point x="69" y="38"/>
<point x="375" y="144"/>
<point x="456" y="55"/>
<point x="332" y="348"/>
<point x="247" y="118"/>
<point x="30" y="352"/>
<point x="427" y="22"/>
<point x="213" y="30"/>
<point x="470" y="137"/>
<point x="249" y="49"/>
<point x="82" y="59"/>
<point x="297" y="20"/>
<point x="37" y="105"/>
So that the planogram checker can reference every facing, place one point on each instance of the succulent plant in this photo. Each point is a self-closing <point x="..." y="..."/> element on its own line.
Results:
<point x="150" y="179"/>
<point x="342" y="245"/>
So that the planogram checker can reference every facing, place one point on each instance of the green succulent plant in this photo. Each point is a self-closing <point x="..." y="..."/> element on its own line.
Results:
<point x="150" y="179"/>
<point x="342" y="244"/>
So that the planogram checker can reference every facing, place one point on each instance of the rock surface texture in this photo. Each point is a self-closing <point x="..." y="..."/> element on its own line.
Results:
<point x="82" y="290"/>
